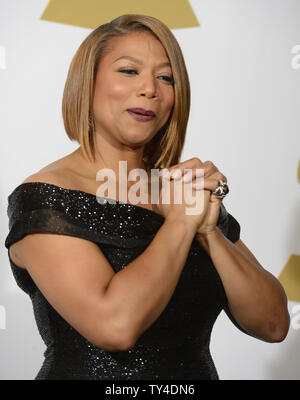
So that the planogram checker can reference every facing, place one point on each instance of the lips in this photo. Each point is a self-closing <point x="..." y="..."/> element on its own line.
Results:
<point x="140" y="117"/>
<point x="142" y="111"/>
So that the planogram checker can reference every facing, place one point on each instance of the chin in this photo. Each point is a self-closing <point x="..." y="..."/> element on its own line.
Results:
<point x="136" y="139"/>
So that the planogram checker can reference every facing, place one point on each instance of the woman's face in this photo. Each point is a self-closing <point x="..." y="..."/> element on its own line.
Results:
<point x="146" y="86"/>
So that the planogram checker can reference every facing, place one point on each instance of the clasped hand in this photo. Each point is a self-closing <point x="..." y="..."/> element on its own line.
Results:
<point x="211" y="181"/>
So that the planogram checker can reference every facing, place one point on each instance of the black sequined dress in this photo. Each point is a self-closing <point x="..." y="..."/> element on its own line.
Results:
<point x="176" y="345"/>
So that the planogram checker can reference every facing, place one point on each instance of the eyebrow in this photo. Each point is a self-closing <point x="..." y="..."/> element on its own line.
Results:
<point x="164" y="64"/>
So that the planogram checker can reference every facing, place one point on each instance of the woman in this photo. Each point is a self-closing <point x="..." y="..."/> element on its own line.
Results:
<point x="122" y="290"/>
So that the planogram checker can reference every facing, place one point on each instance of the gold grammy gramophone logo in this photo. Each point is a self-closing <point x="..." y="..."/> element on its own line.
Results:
<point x="290" y="275"/>
<point x="92" y="13"/>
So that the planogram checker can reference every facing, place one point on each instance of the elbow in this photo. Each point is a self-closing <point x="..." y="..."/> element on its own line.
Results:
<point x="278" y="331"/>
<point x="117" y="339"/>
<point x="123" y="341"/>
<point x="122" y="344"/>
<point x="279" y="338"/>
<point x="126" y="344"/>
<point x="279" y="335"/>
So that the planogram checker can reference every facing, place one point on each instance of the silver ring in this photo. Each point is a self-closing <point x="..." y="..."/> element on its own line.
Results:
<point x="222" y="190"/>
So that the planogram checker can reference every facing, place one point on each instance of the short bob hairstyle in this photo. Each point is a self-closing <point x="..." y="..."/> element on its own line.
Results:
<point x="165" y="148"/>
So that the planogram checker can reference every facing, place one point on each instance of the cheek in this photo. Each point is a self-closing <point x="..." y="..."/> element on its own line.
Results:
<point x="111" y="89"/>
<point x="117" y="91"/>
<point x="170" y="99"/>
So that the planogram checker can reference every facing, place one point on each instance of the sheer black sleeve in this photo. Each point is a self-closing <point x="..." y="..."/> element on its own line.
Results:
<point x="228" y="225"/>
<point x="44" y="208"/>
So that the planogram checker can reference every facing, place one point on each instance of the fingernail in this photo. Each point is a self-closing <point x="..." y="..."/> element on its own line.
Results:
<point x="176" y="174"/>
<point x="165" y="173"/>
<point x="187" y="177"/>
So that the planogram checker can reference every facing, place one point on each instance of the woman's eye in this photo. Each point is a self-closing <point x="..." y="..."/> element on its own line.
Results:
<point x="127" y="70"/>
<point x="167" y="78"/>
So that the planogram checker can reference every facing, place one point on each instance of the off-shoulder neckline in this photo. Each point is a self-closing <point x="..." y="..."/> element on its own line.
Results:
<point x="89" y="195"/>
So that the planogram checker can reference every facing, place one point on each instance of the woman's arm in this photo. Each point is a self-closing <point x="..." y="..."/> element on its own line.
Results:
<point x="111" y="310"/>
<point x="141" y="291"/>
<point x="256" y="298"/>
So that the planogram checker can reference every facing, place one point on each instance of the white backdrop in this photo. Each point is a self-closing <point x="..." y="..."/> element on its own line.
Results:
<point x="244" y="117"/>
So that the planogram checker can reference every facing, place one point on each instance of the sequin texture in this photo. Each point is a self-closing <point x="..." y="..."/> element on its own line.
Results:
<point x="176" y="345"/>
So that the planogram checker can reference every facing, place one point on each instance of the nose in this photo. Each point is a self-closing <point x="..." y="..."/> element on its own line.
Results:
<point x="148" y="87"/>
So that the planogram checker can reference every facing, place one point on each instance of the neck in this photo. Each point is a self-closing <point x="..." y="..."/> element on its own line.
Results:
<point x="113" y="156"/>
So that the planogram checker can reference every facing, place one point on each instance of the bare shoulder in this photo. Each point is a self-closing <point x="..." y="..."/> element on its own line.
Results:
<point x="67" y="172"/>
<point x="57" y="173"/>
<point x="53" y="177"/>
<point x="60" y="173"/>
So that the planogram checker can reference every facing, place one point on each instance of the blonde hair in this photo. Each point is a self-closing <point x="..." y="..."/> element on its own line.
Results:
<point x="166" y="146"/>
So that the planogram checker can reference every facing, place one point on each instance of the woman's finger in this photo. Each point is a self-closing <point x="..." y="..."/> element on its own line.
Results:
<point x="188" y="169"/>
<point x="207" y="184"/>
<point x="188" y="164"/>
